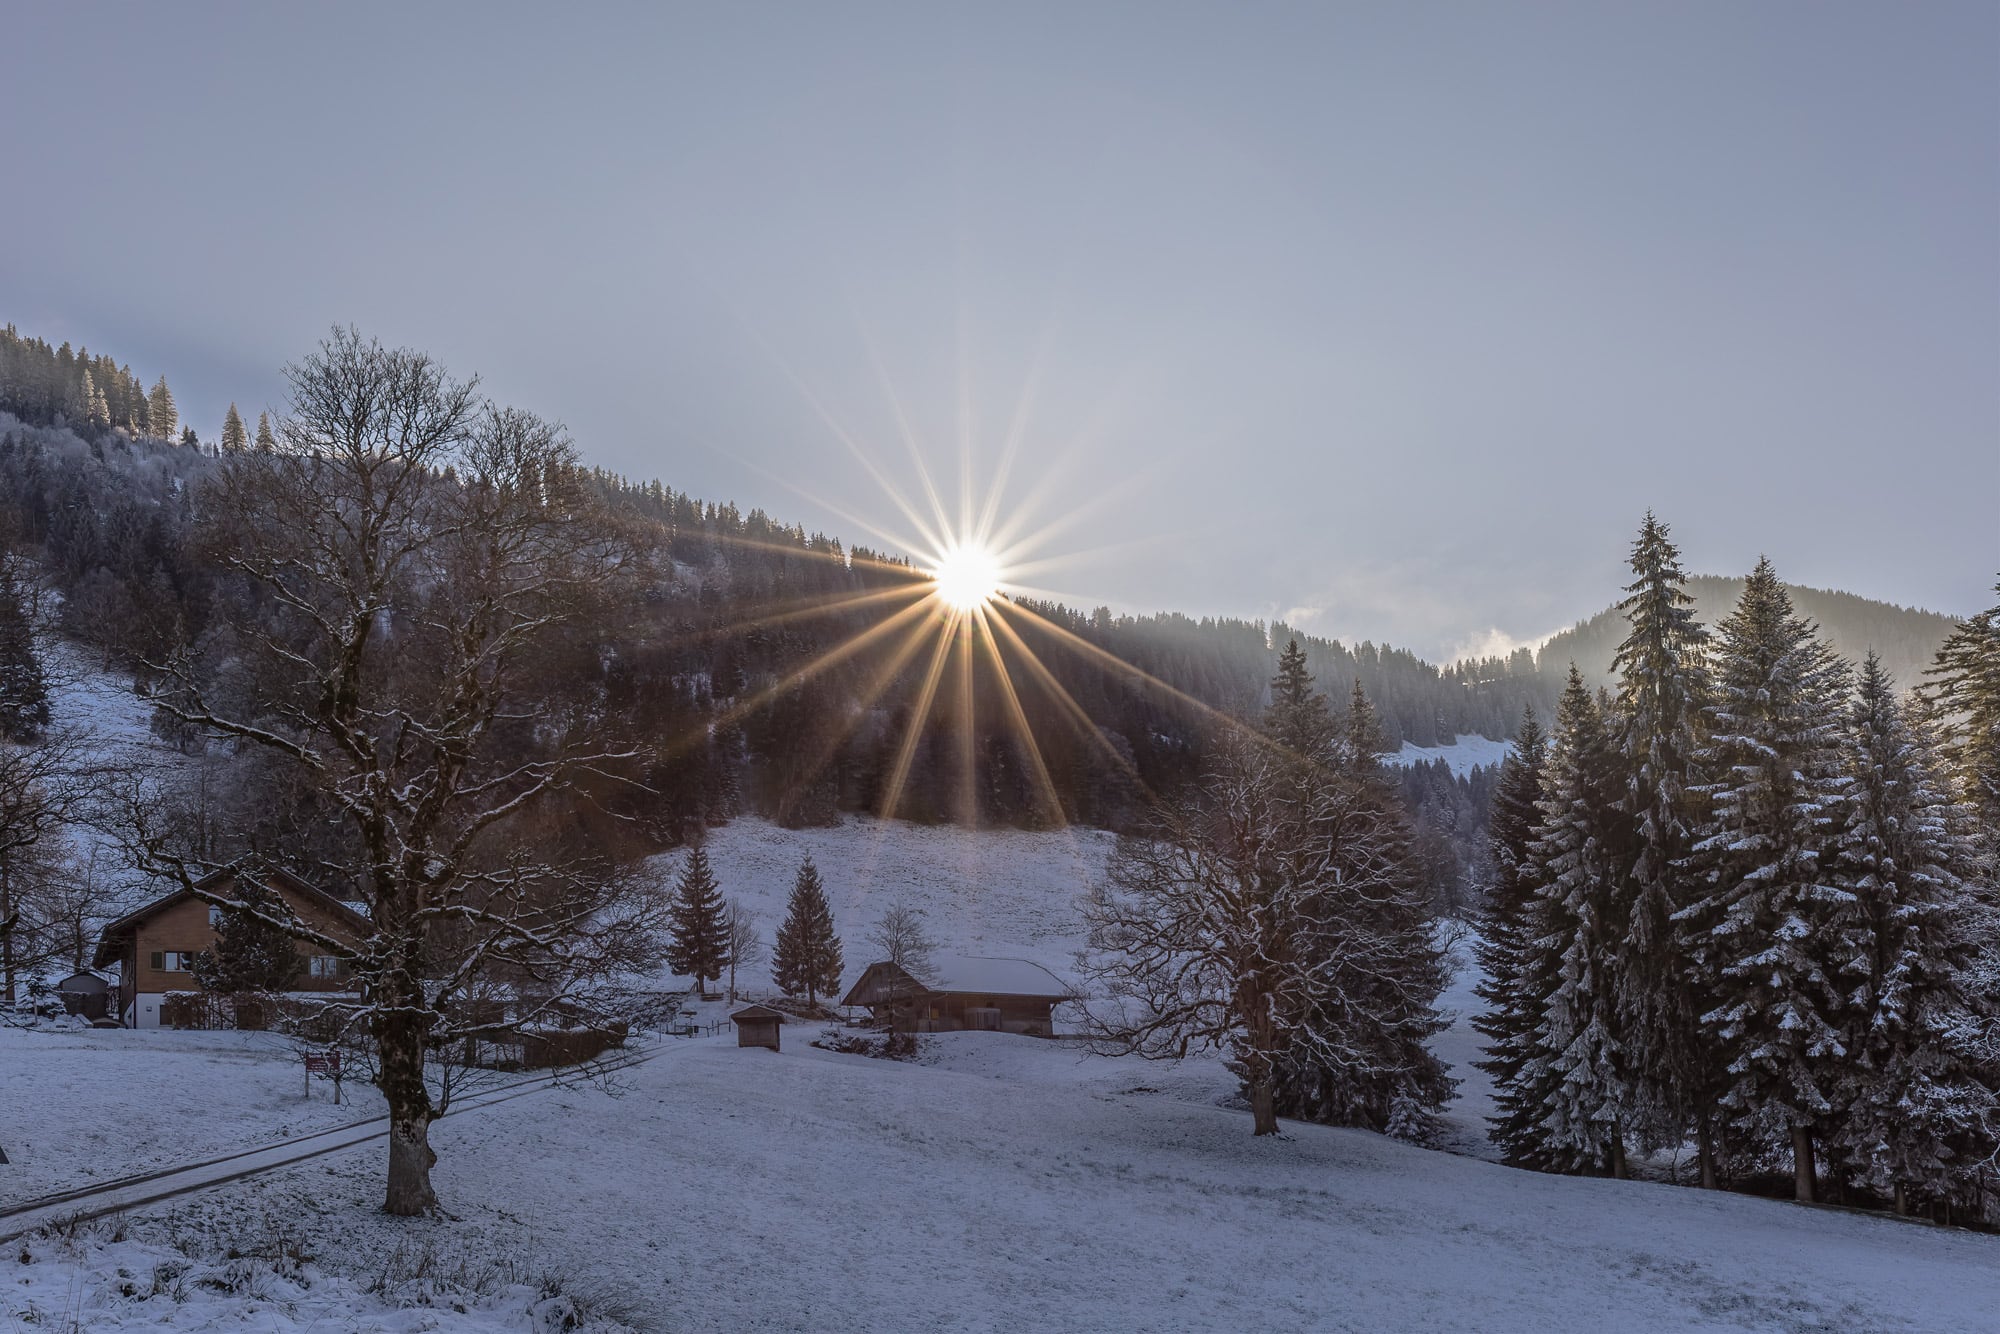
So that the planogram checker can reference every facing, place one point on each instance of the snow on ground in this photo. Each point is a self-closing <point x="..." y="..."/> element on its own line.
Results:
<point x="1466" y="753"/>
<point x="97" y="1280"/>
<point x="738" y="1189"/>
<point x="1001" y="893"/>
<point x="81" y="1104"/>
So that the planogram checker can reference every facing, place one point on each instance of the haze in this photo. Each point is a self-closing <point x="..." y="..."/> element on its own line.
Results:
<point x="1390" y="321"/>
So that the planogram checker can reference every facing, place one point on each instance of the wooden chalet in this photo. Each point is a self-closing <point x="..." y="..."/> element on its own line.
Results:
<point x="153" y="947"/>
<point x="992" y="995"/>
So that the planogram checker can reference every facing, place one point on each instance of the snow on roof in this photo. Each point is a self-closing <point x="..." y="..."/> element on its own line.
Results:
<point x="995" y="977"/>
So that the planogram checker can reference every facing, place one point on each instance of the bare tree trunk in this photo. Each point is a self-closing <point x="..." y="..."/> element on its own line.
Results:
<point x="7" y="924"/>
<point x="400" y="1048"/>
<point x="1802" y="1163"/>
<point x="1263" y="1115"/>
<point x="1704" y="1138"/>
<point x="1902" y="1201"/>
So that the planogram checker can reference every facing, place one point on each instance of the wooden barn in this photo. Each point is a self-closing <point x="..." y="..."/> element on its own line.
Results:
<point x="993" y="995"/>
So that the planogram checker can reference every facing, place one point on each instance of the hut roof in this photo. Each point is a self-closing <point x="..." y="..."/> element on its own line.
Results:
<point x="756" y="1013"/>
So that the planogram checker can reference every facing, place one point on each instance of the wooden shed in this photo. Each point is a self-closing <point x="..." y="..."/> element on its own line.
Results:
<point x="995" y="995"/>
<point x="86" y="994"/>
<point x="757" y="1026"/>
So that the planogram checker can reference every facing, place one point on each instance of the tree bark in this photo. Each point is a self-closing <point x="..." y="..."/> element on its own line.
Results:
<point x="1263" y="1114"/>
<point x="1802" y="1163"/>
<point x="7" y="925"/>
<point x="1902" y="1201"/>
<point x="400" y="1048"/>
<point x="1704" y="1138"/>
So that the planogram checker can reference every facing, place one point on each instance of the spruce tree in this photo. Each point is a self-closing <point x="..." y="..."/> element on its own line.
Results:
<point x="698" y="934"/>
<point x="24" y="690"/>
<point x="1663" y="684"/>
<point x="1914" y="1118"/>
<point x="162" y="419"/>
<point x="234" y="438"/>
<point x="1508" y="935"/>
<point x="1298" y="718"/>
<point x="1575" y="1080"/>
<point x="1965" y="695"/>
<point x="1767" y="928"/>
<point x="266" y="441"/>
<point x="250" y="954"/>
<point x="807" y="958"/>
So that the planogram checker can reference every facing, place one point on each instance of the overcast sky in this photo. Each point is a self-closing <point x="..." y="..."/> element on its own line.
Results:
<point x="1389" y="319"/>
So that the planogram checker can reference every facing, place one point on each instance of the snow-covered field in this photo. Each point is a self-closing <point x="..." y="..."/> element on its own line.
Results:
<point x="1007" y="1184"/>
<point x="995" y="1183"/>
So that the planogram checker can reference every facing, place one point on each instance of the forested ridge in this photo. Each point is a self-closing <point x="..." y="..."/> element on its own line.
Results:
<point x="694" y="657"/>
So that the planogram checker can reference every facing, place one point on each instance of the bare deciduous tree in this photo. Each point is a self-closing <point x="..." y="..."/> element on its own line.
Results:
<point x="746" y="940"/>
<point x="408" y="552"/>
<point x="43" y="785"/>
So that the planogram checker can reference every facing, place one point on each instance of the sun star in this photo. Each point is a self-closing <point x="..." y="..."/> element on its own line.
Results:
<point x="967" y="577"/>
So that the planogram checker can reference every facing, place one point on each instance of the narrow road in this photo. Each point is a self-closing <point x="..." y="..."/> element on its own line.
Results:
<point x="110" y="1197"/>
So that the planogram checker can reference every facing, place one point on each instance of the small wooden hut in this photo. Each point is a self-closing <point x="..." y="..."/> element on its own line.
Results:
<point x="757" y="1026"/>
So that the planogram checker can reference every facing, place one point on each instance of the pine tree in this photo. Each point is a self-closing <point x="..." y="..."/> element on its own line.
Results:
<point x="698" y="934"/>
<point x="266" y="441"/>
<point x="162" y="419"/>
<point x="1914" y="1117"/>
<point x="1575" y="1078"/>
<point x="250" y="954"/>
<point x="1298" y="718"/>
<point x="1360" y="737"/>
<point x="234" y="438"/>
<point x="1508" y="935"/>
<point x="24" y="690"/>
<point x="1767" y="927"/>
<point x="807" y="957"/>
<point x="1663" y="684"/>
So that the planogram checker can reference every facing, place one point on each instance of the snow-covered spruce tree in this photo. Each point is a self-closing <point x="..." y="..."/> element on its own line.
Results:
<point x="24" y="690"/>
<point x="1914" y="1118"/>
<point x="697" y="932"/>
<point x="807" y="959"/>
<point x="1770" y="926"/>
<point x="1509" y="932"/>
<point x="1663" y="684"/>
<point x="1575" y="1079"/>
<point x="1964" y="694"/>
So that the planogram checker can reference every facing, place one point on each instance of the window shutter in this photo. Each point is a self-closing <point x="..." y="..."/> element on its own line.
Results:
<point x="159" y="962"/>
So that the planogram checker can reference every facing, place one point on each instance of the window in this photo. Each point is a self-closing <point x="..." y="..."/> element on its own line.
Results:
<point x="214" y="916"/>
<point x="327" y="967"/>
<point x="173" y="961"/>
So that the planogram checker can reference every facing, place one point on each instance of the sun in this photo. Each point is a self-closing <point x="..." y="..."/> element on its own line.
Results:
<point x="967" y="576"/>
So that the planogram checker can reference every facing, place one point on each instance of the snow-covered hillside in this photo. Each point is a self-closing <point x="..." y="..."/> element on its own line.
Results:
<point x="1466" y="753"/>
<point x="989" y="892"/>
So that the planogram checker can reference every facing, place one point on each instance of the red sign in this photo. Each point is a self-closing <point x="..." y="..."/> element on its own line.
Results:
<point x="326" y="1064"/>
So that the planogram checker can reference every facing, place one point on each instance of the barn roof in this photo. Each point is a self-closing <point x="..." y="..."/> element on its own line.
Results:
<point x="969" y="975"/>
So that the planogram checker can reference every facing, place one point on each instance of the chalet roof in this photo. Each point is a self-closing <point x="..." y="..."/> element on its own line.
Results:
<point x="968" y="975"/>
<point x="272" y="878"/>
<point x="758" y="1012"/>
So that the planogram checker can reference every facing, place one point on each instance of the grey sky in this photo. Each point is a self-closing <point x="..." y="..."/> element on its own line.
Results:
<point x="1393" y="318"/>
